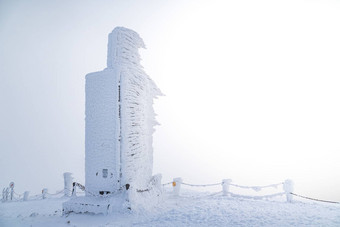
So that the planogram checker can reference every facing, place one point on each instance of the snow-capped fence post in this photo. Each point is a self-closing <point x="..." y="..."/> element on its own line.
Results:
<point x="6" y="194"/>
<point x="26" y="194"/>
<point x="44" y="193"/>
<point x="225" y="186"/>
<point x="11" y="185"/>
<point x="288" y="187"/>
<point x="67" y="184"/>
<point x="177" y="185"/>
<point x="3" y="194"/>
<point x="12" y="193"/>
<point x="156" y="181"/>
<point x="74" y="189"/>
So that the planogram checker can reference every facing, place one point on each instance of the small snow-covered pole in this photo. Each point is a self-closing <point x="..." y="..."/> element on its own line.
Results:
<point x="3" y="194"/>
<point x="225" y="186"/>
<point x="288" y="187"/>
<point x="67" y="184"/>
<point x="177" y="185"/>
<point x="26" y="194"/>
<point x="44" y="192"/>
<point x="6" y="194"/>
<point x="156" y="181"/>
<point x="74" y="189"/>
<point x="11" y="185"/>
<point x="12" y="193"/>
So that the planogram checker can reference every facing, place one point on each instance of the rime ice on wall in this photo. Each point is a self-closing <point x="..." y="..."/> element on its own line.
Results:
<point x="102" y="144"/>
<point x="119" y="118"/>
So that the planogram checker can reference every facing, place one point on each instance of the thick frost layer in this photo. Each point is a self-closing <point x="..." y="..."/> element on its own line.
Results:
<point x="102" y="132"/>
<point x="190" y="209"/>
<point x="120" y="118"/>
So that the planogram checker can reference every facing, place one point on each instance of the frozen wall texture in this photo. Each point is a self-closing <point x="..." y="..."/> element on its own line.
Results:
<point x="120" y="118"/>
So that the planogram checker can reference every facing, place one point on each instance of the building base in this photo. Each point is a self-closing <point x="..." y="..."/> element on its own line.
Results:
<point x="95" y="204"/>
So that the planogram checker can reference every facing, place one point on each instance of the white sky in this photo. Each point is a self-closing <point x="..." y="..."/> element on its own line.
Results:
<point x="252" y="89"/>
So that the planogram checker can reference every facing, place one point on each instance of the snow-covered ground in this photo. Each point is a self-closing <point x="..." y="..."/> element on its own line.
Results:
<point x="190" y="209"/>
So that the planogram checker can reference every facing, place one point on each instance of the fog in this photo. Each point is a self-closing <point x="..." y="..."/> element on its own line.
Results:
<point x="251" y="89"/>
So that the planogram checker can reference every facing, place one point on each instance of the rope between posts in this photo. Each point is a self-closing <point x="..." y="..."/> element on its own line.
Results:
<point x="216" y="193"/>
<point x="18" y="194"/>
<point x="319" y="200"/>
<point x="201" y="185"/>
<point x="207" y="195"/>
<point x="256" y="197"/>
<point x="57" y="193"/>
<point x="257" y="188"/>
<point x="35" y="196"/>
<point x="101" y="196"/>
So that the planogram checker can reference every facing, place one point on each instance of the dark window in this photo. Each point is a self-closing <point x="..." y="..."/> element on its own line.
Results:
<point x="105" y="172"/>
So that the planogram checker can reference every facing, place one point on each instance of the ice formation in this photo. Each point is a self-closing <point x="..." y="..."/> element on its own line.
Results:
<point x="119" y="120"/>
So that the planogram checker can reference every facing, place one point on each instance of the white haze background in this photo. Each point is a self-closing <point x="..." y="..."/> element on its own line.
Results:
<point x="252" y="88"/>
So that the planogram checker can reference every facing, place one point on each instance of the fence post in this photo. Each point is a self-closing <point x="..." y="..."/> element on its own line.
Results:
<point x="288" y="187"/>
<point x="67" y="184"/>
<point x="177" y="185"/>
<point x="11" y="185"/>
<point x="26" y="194"/>
<point x="156" y="181"/>
<point x="44" y="192"/>
<point x="3" y="194"/>
<point x="6" y="194"/>
<point x="225" y="186"/>
<point x="74" y="189"/>
<point x="12" y="193"/>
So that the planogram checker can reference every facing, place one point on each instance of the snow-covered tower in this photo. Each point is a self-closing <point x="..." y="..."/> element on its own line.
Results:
<point x="119" y="118"/>
<point x="119" y="123"/>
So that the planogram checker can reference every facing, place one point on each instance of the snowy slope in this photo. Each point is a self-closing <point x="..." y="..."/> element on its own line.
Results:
<point x="189" y="209"/>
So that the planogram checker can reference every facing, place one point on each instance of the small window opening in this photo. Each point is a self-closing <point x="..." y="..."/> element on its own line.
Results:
<point x="105" y="173"/>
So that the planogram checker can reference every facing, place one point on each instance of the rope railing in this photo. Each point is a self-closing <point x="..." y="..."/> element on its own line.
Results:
<point x="257" y="197"/>
<point x="25" y="196"/>
<point x="201" y="185"/>
<point x="104" y="195"/>
<point x="226" y="183"/>
<point x="286" y="185"/>
<point x="257" y="188"/>
<point x="107" y="193"/>
<point x="18" y="194"/>
<point x="318" y="200"/>
<point x="9" y="194"/>
<point x="35" y="197"/>
<point x="57" y="193"/>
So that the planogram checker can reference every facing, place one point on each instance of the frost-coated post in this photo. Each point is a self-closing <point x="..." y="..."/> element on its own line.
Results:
<point x="44" y="192"/>
<point x="67" y="184"/>
<point x="177" y="185"/>
<point x="156" y="180"/>
<point x="26" y="194"/>
<point x="225" y="186"/>
<point x="288" y="187"/>
<point x="3" y="194"/>
<point x="6" y="194"/>
<point x="12" y="193"/>
<point x="11" y="185"/>
<point x="74" y="189"/>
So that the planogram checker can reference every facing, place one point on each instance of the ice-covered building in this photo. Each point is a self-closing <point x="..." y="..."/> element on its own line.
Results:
<point x="119" y="123"/>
